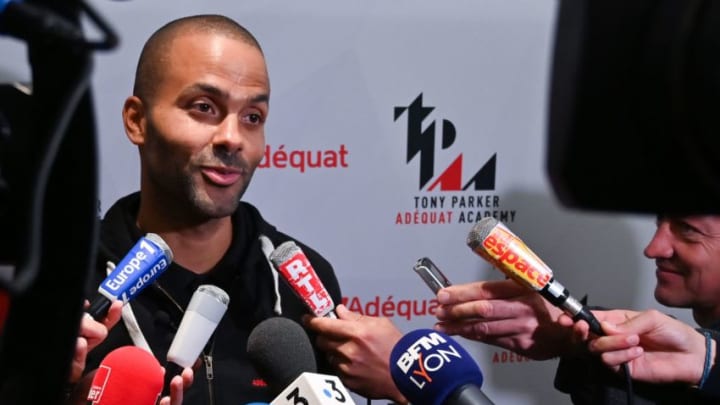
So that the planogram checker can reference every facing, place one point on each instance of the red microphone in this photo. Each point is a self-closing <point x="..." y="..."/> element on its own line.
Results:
<point x="127" y="375"/>
<point x="290" y="261"/>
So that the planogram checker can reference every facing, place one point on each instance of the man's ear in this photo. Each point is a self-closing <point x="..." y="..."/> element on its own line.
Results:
<point x="134" y="120"/>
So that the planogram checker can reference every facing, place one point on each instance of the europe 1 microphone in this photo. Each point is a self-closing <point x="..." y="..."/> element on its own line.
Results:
<point x="494" y="242"/>
<point x="430" y="368"/>
<point x="145" y="262"/>
<point x="290" y="261"/>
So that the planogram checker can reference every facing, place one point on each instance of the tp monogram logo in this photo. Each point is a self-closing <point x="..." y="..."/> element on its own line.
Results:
<point x="422" y="142"/>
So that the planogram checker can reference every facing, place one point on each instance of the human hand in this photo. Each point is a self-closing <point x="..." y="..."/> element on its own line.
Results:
<point x="657" y="347"/>
<point x="91" y="334"/>
<point x="504" y="314"/>
<point x="178" y="385"/>
<point x="359" y="348"/>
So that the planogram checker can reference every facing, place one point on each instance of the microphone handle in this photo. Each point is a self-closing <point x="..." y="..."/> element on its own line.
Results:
<point x="99" y="307"/>
<point x="468" y="394"/>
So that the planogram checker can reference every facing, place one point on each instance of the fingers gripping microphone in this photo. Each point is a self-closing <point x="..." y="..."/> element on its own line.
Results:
<point x="290" y="261"/>
<point x="145" y="262"/>
<point x="429" y="367"/>
<point x="495" y="243"/>
<point x="127" y="375"/>
<point x="205" y="310"/>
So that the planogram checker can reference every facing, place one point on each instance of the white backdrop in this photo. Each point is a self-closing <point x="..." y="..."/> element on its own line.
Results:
<point x="338" y="71"/>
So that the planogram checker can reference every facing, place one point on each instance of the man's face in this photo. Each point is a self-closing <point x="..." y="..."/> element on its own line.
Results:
<point x="204" y="129"/>
<point x="687" y="253"/>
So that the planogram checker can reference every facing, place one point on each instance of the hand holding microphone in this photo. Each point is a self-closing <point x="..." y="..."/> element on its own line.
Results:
<point x="495" y="243"/>
<point x="146" y="261"/>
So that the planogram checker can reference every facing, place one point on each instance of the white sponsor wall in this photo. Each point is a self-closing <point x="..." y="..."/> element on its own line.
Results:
<point x="338" y="72"/>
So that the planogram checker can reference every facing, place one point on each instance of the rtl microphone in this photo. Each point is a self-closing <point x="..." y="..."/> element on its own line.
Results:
<point x="290" y="261"/>
<point x="205" y="310"/>
<point x="127" y="375"/>
<point x="495" y="243"/>
<point x="145" y="262"/>
<point x="430" y="368"/>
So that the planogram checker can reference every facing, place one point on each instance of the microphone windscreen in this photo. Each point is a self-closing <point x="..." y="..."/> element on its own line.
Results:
<point x="127" y="375"/>
<point x="428" y="366"/>
<point x="480" y="231"/>
<point x="205" y="310"/>
<point x="280" y="350"/>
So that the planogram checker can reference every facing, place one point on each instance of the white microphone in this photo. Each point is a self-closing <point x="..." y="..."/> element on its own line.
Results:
<point x="314" y="389"/>
<point x="207" y="306"/>
<point x="290" y="261"/>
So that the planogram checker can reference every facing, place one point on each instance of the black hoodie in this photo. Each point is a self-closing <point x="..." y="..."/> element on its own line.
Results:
<point x="243" y="272"/>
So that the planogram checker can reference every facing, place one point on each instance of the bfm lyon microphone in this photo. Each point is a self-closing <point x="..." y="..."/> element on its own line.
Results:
<point x="127" y="375"/>
<point x="495" y="243"/>
<point x="430" y="368"/>
<point x="290" y="261"/>
<point x="149" y="258"/>
<point x="207" y="306"/>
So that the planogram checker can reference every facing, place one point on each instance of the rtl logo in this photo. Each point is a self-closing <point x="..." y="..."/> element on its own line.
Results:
<point x="421" y="142"/>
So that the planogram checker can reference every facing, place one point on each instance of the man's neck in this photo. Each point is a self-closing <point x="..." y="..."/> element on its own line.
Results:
<point x="196" y="246"/>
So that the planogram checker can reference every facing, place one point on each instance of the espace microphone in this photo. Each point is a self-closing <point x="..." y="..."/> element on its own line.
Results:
<point x="290" y="261"/>
<point x="430" y="368"/>
<point x="127" y="375"/>
<point x="145" y="262"/>
<point x="207" y="306"/>
<point x="495" y="243"/>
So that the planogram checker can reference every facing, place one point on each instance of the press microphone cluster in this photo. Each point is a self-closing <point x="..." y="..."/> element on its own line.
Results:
<point x="145" y="262"/>
<point x="495" y="243"/>
<point x="127" y="375"/>
<point x="282" y="353"/>
<point x="290" y="261"/>
<point x="430" y="368"/>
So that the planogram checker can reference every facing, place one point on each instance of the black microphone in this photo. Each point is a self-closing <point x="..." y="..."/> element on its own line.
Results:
<point x="429" y="367"/>
<point x="280" y="350"/>
<point x="145" y="262"/>
<point x="28" y="21"/>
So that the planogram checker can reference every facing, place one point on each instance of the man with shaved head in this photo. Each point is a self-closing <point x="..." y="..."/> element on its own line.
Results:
<point x="197" y="115"/>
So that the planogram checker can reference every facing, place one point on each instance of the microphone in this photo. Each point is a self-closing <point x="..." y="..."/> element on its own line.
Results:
<point x="207" y="306"/>
<point x="290" y="261"/>
<point x="429" y="367"/>
<point x="282" y="353"/>
<point x="127" y="375"/>
<point x="495" y="243"/>
<point x="145" y="262"/>
<point x="280" y="350"/>
<point x="27" y="21"/>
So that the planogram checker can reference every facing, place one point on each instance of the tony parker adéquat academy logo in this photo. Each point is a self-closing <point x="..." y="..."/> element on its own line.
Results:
<point x="453" y="199"/>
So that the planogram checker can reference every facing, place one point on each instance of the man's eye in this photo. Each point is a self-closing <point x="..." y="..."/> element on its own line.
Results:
<point x="255" y="118"/>
<point x="203" y="107"/>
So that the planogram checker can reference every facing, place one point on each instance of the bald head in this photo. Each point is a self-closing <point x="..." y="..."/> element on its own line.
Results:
<point x="153" y="58"/>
